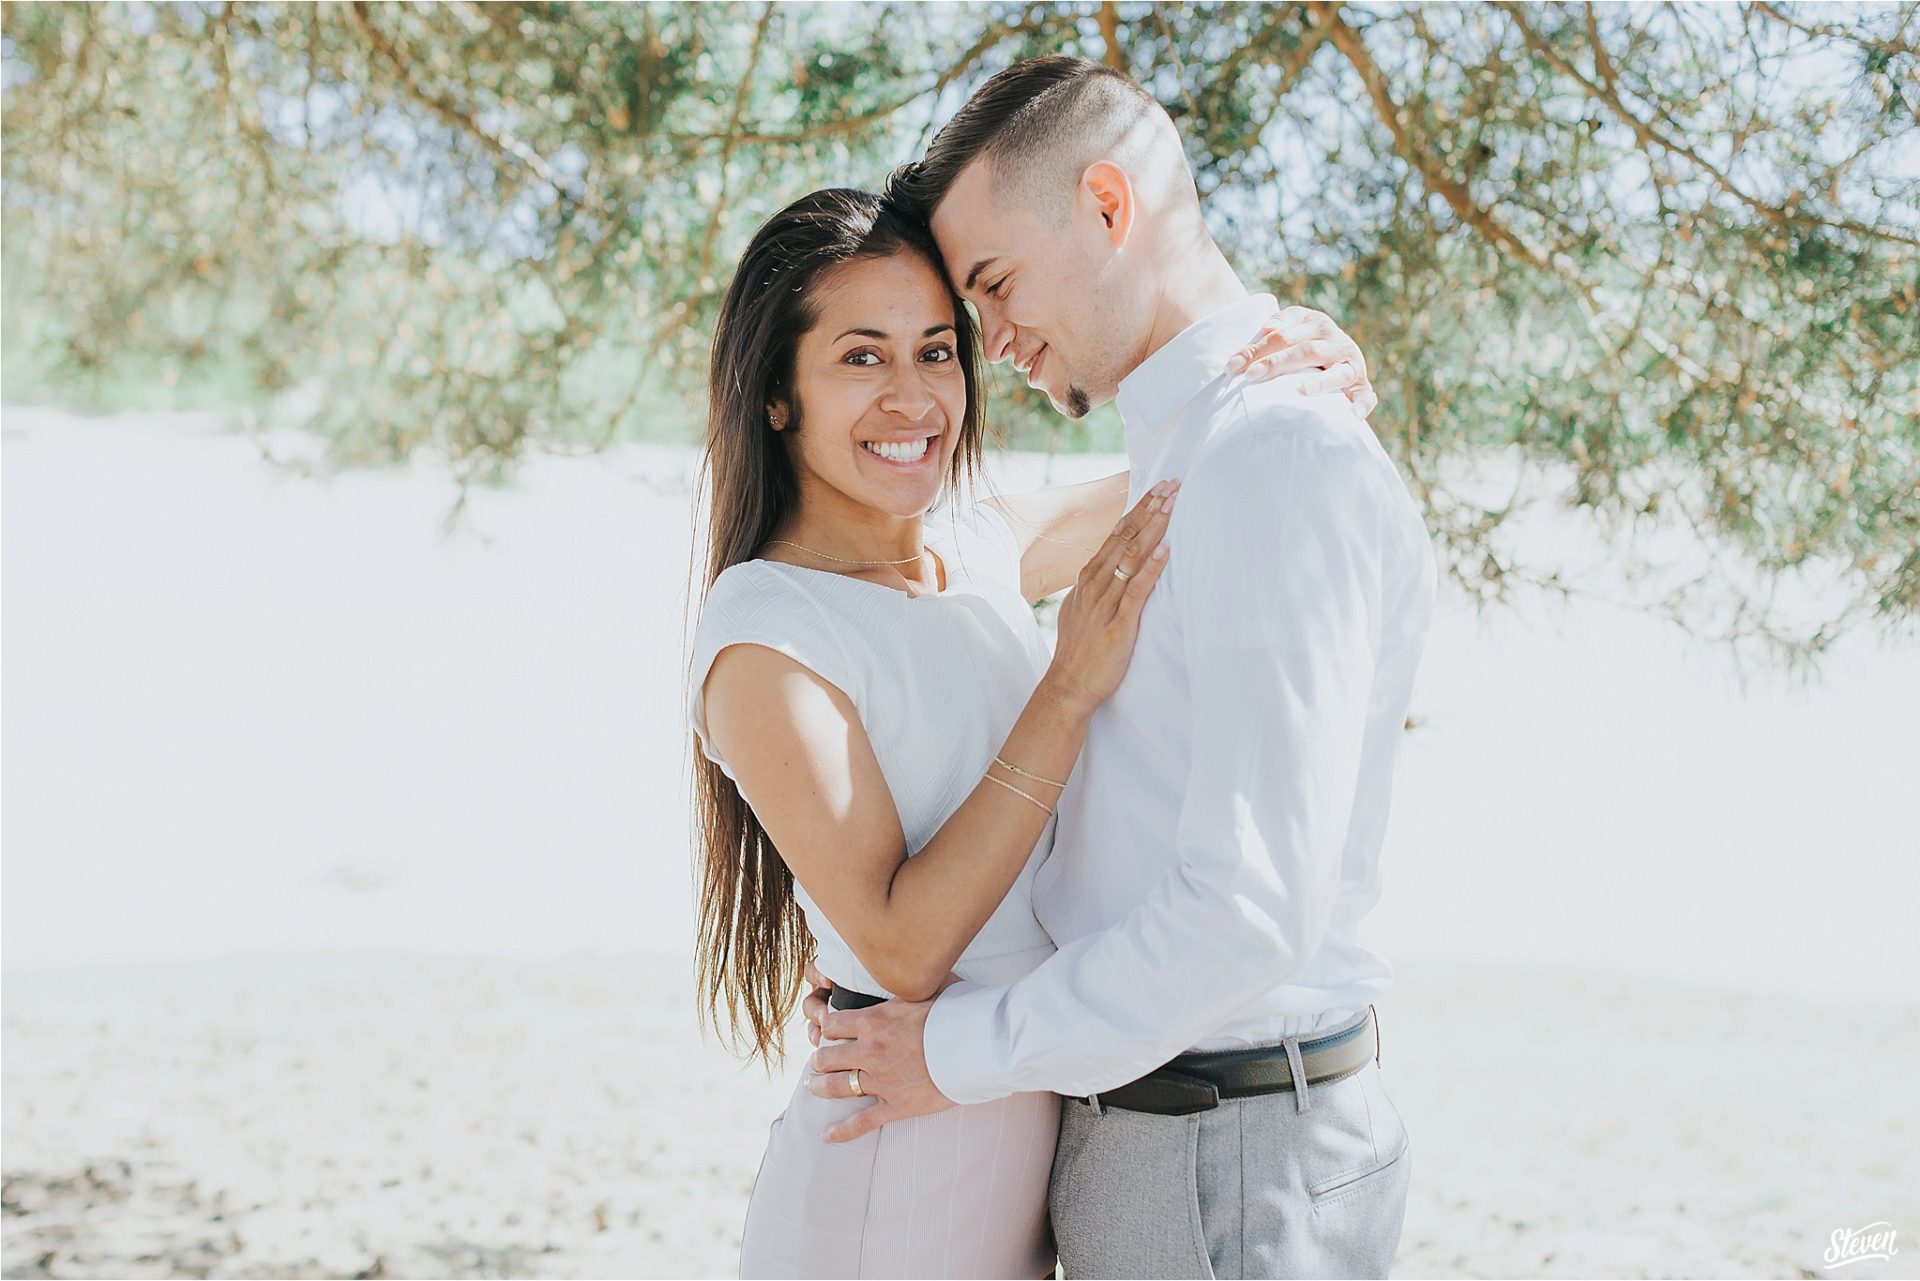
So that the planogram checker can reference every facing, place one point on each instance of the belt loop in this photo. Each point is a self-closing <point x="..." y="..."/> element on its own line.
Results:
<point x="1299" y="1070"/>
<point x="1093" y="1101"/>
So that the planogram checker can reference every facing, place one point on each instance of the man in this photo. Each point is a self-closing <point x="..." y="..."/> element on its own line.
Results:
<point x="1209" y="1012"/>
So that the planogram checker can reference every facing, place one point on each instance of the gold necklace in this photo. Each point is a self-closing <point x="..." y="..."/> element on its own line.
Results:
<point x="843" y="560"/>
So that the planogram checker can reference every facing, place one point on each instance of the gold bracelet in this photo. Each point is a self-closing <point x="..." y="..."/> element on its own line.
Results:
<point x="1017" y="792"/>
<point x="1022" y="773"/>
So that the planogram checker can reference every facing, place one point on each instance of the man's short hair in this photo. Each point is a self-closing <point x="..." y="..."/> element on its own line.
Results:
<point x="1023" y="115"/>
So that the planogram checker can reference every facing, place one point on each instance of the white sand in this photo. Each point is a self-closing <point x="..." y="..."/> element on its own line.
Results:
<point x="385" y="1115"/>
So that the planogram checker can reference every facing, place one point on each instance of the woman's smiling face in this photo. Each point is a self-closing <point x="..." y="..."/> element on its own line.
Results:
<point x="880" y="392"/>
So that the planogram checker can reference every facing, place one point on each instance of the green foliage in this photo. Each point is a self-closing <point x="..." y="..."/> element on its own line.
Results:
<point x="1673" y="248"/>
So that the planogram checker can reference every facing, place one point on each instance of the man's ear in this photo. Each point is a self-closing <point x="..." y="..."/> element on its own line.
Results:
<point x="1108" y="192"/>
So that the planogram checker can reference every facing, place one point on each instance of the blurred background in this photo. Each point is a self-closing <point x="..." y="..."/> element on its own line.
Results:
<point x="353" y="359"/>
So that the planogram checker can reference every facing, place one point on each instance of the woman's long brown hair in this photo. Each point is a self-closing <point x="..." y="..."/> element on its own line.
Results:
<point x="752" y="935"/>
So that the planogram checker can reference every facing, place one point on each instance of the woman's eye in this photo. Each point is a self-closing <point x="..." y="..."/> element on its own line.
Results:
<point x="944" y="353"/>
<point x="994" y="289"/>
<point x="854" y="356"/>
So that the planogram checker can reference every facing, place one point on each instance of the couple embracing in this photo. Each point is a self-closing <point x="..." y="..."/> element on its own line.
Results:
<point x="1082" y="922"/>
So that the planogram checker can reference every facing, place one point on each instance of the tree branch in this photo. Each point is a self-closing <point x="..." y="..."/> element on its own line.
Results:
<point x="1348" y="41"/>
<point x="1292" y="68"/>
<point x="1894" y="46"/>
<point x="1460" y="200"/>
<point x="726" y="151"/>
<point x="993" y="35"/>
<point x="1779" y="216"/>
<point x="1110" y="35"/>
<point x="504" y="146"/>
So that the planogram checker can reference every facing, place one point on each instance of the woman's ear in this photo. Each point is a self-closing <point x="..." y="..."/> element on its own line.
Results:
<point x="1109" y="192"/>
<point x="777" y="415"/>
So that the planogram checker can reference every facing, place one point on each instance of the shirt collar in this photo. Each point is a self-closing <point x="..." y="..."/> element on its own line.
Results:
<point x="1151" y="397"/>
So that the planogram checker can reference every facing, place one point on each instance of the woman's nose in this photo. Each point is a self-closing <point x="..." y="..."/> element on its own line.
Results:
<point x="908" y="395"/>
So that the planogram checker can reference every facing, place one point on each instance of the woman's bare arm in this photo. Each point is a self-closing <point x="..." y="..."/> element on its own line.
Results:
<point x="1059" y="529"/>
<point x="806" y="766"/>
<point x="803" y="761"/>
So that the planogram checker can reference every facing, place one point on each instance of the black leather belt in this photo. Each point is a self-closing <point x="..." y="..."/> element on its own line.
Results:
<point x="845" y="998"/>
<point x="1199" y="1082"/>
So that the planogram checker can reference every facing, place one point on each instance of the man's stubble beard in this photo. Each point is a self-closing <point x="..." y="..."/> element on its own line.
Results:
<point x="1109" y="360"/>
<point x="1078" y="400"/>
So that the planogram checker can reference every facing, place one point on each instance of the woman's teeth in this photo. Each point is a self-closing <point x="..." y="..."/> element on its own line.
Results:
<point x="903" y="451"/>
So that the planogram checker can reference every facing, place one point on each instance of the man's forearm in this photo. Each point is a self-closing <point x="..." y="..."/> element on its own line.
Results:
<point x="1108" y="1008"/>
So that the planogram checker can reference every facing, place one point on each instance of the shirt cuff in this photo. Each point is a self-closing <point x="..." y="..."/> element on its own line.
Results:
<point x="958" y="1042"/>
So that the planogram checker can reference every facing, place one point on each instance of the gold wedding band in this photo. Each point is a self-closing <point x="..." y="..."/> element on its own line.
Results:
<point x="1121" y="574"/>
<point x="853" y="1083"/>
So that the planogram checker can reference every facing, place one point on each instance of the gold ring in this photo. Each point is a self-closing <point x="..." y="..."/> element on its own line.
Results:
<point x="853" y="1083"/>
<point x="1121" y="574"/>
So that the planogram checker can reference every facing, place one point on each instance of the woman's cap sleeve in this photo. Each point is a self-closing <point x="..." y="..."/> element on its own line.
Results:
<point x="754" y="607"/>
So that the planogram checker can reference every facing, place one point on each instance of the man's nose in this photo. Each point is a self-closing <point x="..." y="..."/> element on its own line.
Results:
<point x="996" y="336"/>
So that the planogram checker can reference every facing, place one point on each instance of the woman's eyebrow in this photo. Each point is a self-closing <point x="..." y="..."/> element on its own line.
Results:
<point x="875" y="333"/>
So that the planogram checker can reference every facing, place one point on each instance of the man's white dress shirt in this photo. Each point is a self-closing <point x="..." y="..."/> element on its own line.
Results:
<point x="1218" y="841"/>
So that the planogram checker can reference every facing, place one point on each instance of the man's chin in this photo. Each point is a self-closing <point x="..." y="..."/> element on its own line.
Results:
<point x="1079" y="404"/>
<point x="1075" y="404"/>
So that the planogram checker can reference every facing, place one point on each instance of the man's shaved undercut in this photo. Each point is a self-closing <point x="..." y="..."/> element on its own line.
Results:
<point x="1039" y="124"/>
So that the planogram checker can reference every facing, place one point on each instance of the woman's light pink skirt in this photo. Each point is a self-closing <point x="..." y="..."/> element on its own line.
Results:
<point x="962" y="1193"/>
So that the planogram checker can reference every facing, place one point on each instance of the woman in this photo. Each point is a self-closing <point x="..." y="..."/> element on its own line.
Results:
<point x="868" y="683"/>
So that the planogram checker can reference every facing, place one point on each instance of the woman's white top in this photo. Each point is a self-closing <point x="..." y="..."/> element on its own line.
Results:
<point x="938" y="681"/>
